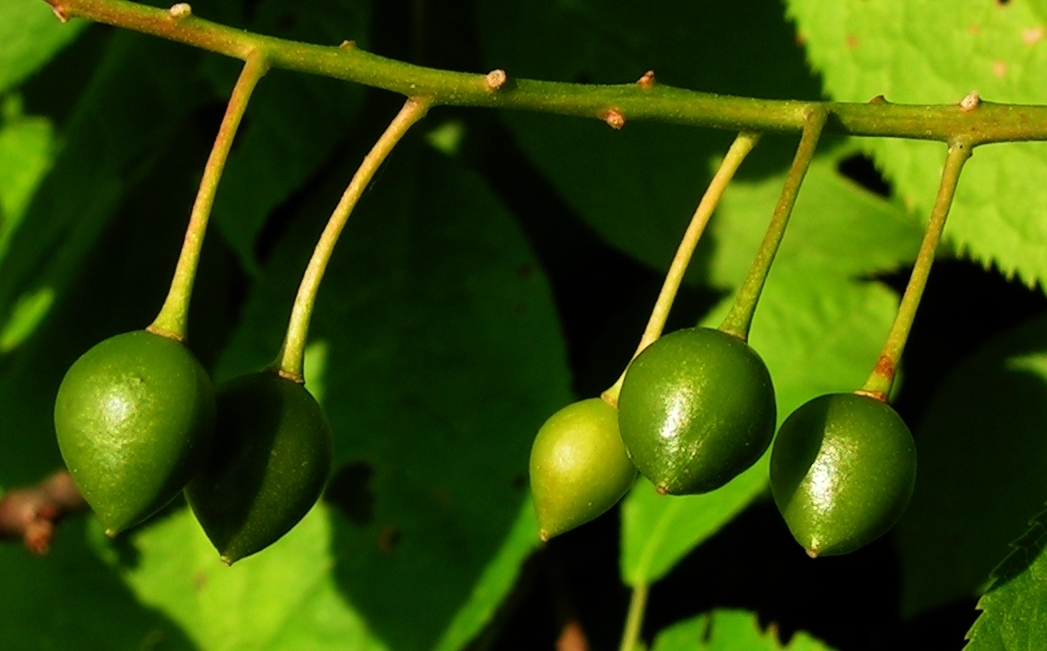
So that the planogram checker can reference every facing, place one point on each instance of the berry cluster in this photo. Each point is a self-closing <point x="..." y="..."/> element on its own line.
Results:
<point x="138" y="421"/>
<point x="697" y="407"/>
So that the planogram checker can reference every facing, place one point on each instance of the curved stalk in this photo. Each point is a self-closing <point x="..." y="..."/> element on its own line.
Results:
<point x="986" y="122"/>
<point x="740" y="148"/>
<point x="740" y="318"/>
<point x="291" y="358"/>
<point x="173" y="320"/>
<point x="882" y="378"/>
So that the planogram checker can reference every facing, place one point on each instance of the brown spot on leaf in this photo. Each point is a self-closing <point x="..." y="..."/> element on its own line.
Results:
<point x="1033" y="35"/>
<point x="443" y="497"/>
<point x="389" y="539"/>
<point x="999" y="68"/>
<point x="851" y="41"/>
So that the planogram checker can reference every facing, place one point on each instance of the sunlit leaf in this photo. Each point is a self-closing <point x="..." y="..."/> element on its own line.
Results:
<point x="998" y="49"/>
<point x="729" y="630"/>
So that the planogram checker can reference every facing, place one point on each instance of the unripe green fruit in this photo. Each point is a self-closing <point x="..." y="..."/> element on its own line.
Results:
<point x="134" y="418"/>
<point x="696" y="409"/>
<point x="842" y="471"/>
<point x="579" y="466"/>
<point x="269" y="463"/>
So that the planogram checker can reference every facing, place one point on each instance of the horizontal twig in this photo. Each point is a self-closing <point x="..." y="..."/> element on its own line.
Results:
<point x="969" y="120"/>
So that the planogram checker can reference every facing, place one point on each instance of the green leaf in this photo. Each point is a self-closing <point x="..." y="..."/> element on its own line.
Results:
<point x="639" y="186"/>
<point x="657" y="530"/>
<point x="293" y="124"/>
<point x="494" y="584"/>
<point x="26" y="151"/>
<point x="983" y="468"/>
<point x="71" y="600"/>
<point x="134" y="101"/>
<point x="865" y="49"/>
<point x="729" y="630"/>
<point x="284" y="598"/>
<point x="29" y="36"/>
<point x="442" y="357"/>
<point x="1012" y="610"/>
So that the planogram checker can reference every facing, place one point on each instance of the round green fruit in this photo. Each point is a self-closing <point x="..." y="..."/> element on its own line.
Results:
<point x="134" y="418"/>
<point x="696" y="409"/>
<point x="269" y="463"/>
<point x="579" y="466"/>
<point x="842" y="471"/>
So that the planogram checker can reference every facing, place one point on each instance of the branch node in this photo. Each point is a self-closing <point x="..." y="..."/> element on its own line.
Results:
<point x="496" y="79"/>
<point x="875" y="395"/>
<point x="293" y="377"/>
<point x="347" y="45"/>
<point x="60" y="14"/>
<point x="970" y="102"/>
<point x="180" y="11"/>
<point x="879" y="99"/>
<point x="647" y="80"/>
<point x="614" y="118"/>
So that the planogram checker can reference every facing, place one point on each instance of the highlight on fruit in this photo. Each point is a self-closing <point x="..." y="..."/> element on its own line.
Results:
<point x="134" y="418"/>
<point x="843" y="469"/>
<point x="696" y="409"/>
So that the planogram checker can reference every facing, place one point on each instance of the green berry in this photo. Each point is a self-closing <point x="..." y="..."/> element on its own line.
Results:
<point x="842" y="471"/>
<point x="271" y="458"/>
<point x="579" y="466"/>
<point x="134" y="418"/>
<point x="696" y="409"/>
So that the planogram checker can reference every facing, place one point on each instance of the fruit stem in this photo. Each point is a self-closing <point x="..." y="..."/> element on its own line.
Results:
<point x="740" y="318"/>
<point x="634" y="618"/>
<point x="291" y="358"/>
<point x="740" y="148"/>
<point x="173" y="320"/>
<point x="882" y="377"/>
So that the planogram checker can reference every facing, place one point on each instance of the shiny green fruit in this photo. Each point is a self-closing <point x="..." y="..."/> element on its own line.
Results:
<point x="579" y="466"/>
<point x="842" y="471"/>
<point x="696" y="409"/>
<point x="134" y="418"/>
<point x="269" y="463"/>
